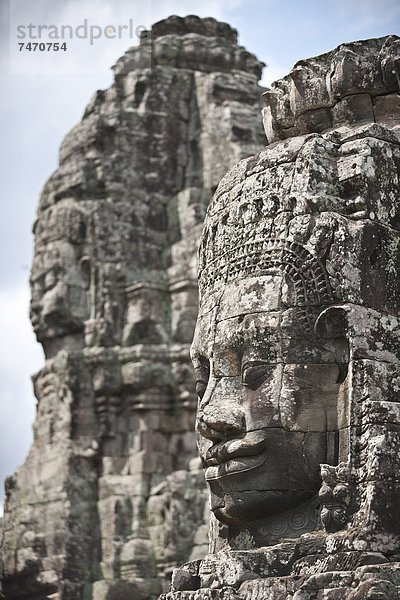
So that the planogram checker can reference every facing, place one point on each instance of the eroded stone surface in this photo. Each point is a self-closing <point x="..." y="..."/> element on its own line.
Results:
<point x="355" y="82"/>
<point x="108" y="500"/>
<point x="297" y="344"/>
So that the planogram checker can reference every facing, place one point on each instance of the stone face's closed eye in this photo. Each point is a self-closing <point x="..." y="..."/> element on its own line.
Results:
<point x="254" y="374"/>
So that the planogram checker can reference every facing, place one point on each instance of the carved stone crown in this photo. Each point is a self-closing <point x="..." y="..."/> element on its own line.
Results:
<point x="271" y="256"/>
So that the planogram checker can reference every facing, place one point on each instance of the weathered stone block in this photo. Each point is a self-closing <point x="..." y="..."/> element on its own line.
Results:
<point x="353" y="109"/>
<point x="387" y="108"/>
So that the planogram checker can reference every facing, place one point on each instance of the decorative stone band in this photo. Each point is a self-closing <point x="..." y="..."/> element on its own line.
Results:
<point x="306" y="274"/>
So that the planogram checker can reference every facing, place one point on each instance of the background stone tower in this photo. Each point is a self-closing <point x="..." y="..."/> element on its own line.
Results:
<point x="110" y="497"/>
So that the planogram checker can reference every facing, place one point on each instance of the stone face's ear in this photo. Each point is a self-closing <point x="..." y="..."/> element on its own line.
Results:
<point x="332" y="330"/>
<point x="332" y="323"/>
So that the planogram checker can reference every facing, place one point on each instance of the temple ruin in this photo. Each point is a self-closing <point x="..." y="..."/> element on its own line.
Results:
<point x="296" y="349"/>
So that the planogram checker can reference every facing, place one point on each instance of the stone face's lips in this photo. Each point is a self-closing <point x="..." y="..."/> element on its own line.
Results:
<point x="237" y="455"/>
<point x="236" y="465"/>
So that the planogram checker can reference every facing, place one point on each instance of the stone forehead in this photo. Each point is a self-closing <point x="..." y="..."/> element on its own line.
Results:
<point x="59" y="255"/>
<point x="64" y="221"/>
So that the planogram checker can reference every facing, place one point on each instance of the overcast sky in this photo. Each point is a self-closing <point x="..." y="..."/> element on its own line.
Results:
<point x="43" y="94"/>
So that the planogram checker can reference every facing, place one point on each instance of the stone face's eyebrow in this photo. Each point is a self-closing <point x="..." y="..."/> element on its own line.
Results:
<point x="245" y="329"/>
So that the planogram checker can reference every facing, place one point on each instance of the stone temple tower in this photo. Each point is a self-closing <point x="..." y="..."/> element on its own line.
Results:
<point x="110" y="497"/>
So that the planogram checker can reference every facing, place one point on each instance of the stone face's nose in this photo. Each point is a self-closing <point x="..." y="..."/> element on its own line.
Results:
<point x="221" y="425"/>
<point x="223" y="416"/>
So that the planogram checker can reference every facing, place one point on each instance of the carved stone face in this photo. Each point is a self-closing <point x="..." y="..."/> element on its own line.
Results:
<point x="268" y="401"/>
<point x="59" y="292"/>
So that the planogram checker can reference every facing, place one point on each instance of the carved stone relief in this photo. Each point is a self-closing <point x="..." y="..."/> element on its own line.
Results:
<point x="297" y="344"/>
